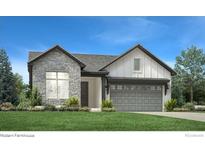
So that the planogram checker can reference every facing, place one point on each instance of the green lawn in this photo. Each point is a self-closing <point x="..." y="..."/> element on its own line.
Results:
<point x="85" y="121"/>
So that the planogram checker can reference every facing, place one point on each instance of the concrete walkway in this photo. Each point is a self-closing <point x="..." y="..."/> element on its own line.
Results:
<point x="182" y="115"/>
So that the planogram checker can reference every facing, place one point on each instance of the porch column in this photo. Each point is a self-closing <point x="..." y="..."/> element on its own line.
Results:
<point x="103" y="87"/>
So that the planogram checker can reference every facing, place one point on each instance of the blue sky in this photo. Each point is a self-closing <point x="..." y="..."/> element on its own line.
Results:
<point x="165" y="37"/>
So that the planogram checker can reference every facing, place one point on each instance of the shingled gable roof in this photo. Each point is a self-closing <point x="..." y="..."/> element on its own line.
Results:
<point x="38" y="55"/>
<point x="145" y="51"/>
<point x="96" y="63"/>
<point x="93" y="62"/>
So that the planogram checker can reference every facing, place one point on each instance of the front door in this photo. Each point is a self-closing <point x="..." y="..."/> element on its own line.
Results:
<point x="84" y="94"/>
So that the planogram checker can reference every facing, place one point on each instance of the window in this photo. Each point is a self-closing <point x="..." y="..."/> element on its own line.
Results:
<point x="112" y="87"/>
<point x="159" y="88"/>
<point x="132" y="87"/>
<point x="119" y="87"/>
<point x="137" y="64"/>
<point x="152" y="88"/>
<point x="57" y="85"/>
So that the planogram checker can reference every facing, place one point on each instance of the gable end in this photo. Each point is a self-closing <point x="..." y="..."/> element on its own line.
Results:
<point x="82" y="65"/>
<point x="146" y="52"/>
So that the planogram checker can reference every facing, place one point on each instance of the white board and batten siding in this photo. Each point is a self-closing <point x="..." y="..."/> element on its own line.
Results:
<point x="149" y="68"/>
<point x="124" y="67"/>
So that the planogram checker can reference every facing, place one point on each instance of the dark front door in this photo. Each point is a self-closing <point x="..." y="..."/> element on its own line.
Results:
<point x="84" y="94"/>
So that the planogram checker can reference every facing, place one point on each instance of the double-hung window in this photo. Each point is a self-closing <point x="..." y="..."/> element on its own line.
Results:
<point x="57" y="85"/>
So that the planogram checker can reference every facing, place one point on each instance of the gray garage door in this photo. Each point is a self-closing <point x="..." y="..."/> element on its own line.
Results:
<point x="129" y="97"/>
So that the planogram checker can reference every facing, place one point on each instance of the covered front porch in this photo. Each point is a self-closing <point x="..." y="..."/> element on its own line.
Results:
<point x="91" y="92"/>
<point x="93" y="89"/>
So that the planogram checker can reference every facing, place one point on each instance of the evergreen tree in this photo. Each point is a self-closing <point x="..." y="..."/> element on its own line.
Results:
<point x="20" y="86"/>
<point x="7" y="80"/>
<point x="178" y="88"/>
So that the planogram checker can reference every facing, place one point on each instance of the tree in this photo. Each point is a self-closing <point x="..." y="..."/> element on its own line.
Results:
<point x="20" y="86"/>
<point x="178" y="89"/>
<point x="7" y="80"/>
<point x="35" y="97"/>
<point x="190" y="67"/>
<point x="199" y="93"/>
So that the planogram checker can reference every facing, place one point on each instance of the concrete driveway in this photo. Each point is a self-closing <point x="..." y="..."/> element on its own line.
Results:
<point x="182" y="115"/>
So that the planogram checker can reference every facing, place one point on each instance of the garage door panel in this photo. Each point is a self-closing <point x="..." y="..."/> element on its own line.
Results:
<point x="131" y="108"/>
<point x="136" y="97"/>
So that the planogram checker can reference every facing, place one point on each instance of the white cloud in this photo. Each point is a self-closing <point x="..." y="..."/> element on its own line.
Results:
<point x="131" y="29"/>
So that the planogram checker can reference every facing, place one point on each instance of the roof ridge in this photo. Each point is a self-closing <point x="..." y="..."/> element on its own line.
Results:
<point x="79" y="54"/>
<point x="94" y="54"/>
<point x="61" y="49"/>
<point x="36" y="51"/>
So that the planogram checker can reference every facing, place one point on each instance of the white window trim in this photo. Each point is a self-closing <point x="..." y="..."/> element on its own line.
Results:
<point x="57" y="84"/>
<point x="140" y="70"/>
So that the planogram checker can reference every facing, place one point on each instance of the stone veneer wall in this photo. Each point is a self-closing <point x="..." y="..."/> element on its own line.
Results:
<point x="56" y="61"/>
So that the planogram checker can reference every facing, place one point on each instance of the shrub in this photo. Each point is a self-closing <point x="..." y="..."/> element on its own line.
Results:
<point x="36" y="108"/>
<point x="199" y="109"/>
<point x="67" y="108"/>
<point x="50" y="107"/>
<point x="189" y="106"/>
<point x="7" y="107"/>
<point x="24" y="103"/>
<point x="35" y="98"/>
<point x="201" y="103"/>
<point x="72" y="108"/>
<point x="61" y="108"/>
<point x="66" y="103"/>
<point x="180" y="110"/>
<point x="84" y="109"/>
<point x="39" y="108"/>
<point x="23" y="106"/>
<point x="30" y="108"/>
<point x="170" y="104"/>
<point x="107" y="104"/>
<point x="105" y="109"/>
<point x="72" y="102"/>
